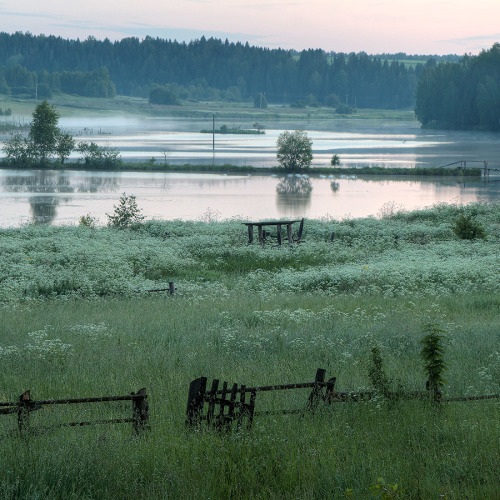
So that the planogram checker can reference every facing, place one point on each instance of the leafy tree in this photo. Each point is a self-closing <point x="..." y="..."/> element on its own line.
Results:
<point x="311" y="101"/>
<point x="44" y="139"/>
<point x="44" y="131"/>
<point x="162" y="95"/>
<point x="332" y="101"/>
<point x="126" y="213"/>
<point x="64" y="146"/>
<point x="294" y="150"/>
<point x="335" y="161"/>
<point x="18" y="150"/>
<point x="99" y="156"/>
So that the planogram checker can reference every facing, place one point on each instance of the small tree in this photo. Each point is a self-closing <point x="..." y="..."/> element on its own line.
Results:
<point x="432" y="354"/>
<point x="99" y="156"/>
<point x="294" y="150"/>
<point x="18" y="150"/>
<point x="64" y="146"/>
<point x="44" y="139"/>
<point x="126" y="213"/>
<point x="335" y="161"/>
<point x="44" y="131"/>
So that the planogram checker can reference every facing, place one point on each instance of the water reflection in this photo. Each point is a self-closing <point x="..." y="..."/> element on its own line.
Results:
<point x="40" y="185"/>
<point x="294" y="192"/>
<point x="334" y="186"/>
<point x="97" y="185"/>
<point x="63" y="197"/>
<point x="46" y="189"/>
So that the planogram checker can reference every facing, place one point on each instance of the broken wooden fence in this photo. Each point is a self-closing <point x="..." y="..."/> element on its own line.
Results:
<point x="219" y="408"/>
<point x="25" y="405"/>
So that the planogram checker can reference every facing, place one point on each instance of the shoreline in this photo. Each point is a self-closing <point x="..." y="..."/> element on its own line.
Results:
<point x="247" y="169"/>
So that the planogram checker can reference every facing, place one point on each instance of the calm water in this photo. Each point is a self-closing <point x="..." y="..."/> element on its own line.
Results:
<point x="358" y="142"/>
<point x="63" y="197"/>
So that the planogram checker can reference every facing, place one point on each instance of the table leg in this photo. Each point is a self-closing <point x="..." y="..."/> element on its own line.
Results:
<point x="289" y="233"/>
<point x="278" y="227"/>
<point x="250" y="233"/>
<point x="261" y="235"/>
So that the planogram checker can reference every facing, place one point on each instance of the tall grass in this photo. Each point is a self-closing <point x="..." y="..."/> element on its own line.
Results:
<point x="100" y="337"/>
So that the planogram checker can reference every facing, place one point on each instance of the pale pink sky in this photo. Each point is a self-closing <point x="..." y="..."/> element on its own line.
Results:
<point x="373" y="26"/>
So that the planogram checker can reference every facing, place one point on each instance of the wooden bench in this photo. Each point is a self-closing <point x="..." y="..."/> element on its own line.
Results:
<point x="278" y="224"/>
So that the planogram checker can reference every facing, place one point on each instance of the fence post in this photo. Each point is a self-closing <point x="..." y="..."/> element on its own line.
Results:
<point x="253" y="396"/>
<point x="330" y="388"/>
<point x="140" y="409"/>
<point x="171" y="287"/>
<point x="317" y="392"/>
<point x="301" y="229"/>
<point x="197" y="389"/>
<point x="211" y="404"/>
<point x="23" y="413"/>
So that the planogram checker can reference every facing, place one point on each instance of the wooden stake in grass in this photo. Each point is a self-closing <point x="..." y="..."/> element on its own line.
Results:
<point x="432" y="353"/>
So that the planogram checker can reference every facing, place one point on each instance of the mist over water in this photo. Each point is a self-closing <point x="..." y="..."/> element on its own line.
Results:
<point x="62" y="197"/>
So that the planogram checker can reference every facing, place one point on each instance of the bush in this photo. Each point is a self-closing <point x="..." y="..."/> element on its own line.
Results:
<point x="87" y="221"/>
<point x="466" y="227"/>
<point x="99" y="156"/>
<point x="126" y="213"/>
<point x="162" y="95"/>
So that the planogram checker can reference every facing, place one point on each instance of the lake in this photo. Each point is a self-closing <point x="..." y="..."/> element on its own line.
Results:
<point x="62" y="197"/>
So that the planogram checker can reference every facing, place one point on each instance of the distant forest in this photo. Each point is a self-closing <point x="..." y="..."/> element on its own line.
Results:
<point x="205" y="69"/>
<point x="464" y="95"/>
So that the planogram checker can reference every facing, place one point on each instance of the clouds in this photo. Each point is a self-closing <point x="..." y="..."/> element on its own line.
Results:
<point x="374" y="26"/>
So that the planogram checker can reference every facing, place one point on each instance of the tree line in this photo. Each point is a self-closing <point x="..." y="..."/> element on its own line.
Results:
<point x="19" y="81"/>
<point x="204" y="69"/>
<point x="464" y="95"/>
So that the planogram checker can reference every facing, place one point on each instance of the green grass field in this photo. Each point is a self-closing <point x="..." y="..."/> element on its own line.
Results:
<point x="74" y="106"/>
<point x="77" y="321"/>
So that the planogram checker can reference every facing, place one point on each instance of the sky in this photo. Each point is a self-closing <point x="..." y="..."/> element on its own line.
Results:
<point x="373" y="26"/>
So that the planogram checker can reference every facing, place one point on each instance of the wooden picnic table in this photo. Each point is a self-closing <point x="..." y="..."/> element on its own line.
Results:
<point x="278" y="224"/>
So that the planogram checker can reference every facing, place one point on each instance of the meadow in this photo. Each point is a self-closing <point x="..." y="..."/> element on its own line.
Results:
<point x="77" y="320"/>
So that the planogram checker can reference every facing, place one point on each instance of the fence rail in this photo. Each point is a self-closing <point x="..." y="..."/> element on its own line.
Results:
<point x="219" y="408"/>
<point x="26" y="405"/>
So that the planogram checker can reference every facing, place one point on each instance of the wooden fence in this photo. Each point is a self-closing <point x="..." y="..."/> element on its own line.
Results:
<point x="202" y="404"/>
<point x="220" y="408"/>
<point x="25" y="406"/>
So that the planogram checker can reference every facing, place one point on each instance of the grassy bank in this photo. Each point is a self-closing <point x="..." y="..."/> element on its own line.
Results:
<point x="159" y="166"/>
<point x="77" y="321"/>
<point x="73" y="106"/>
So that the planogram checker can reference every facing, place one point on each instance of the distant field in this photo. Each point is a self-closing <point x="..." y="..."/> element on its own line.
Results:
<point x="74" y="106"/>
